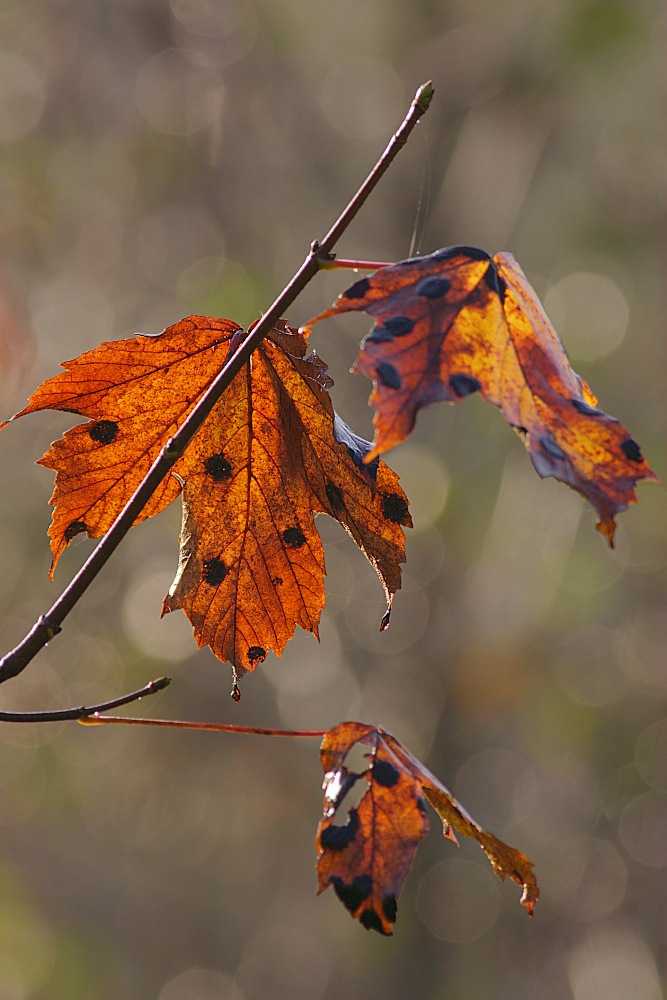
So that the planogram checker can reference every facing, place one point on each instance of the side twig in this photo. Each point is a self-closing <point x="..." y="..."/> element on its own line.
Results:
<point x="49" y="624"/>
<point x="80" y="714"/>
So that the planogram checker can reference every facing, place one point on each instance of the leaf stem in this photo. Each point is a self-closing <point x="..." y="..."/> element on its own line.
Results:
<point x="47" y="626"/>
<point x="210" y="727"/>
<point x="335" y="263"/>
<point x="80" y="714"/>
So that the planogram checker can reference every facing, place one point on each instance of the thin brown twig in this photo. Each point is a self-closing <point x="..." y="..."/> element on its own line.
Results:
<point x="49" y="625"/>
<point x="79" y="714"/>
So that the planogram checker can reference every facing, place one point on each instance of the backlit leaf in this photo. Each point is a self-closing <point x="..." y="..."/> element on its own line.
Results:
<point x="459" y="322"/>
<point x="367" y="857"/>
<point x="270" y="455"/>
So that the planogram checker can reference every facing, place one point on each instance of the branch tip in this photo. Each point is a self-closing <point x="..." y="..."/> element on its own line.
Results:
<point x="424" y="96"/>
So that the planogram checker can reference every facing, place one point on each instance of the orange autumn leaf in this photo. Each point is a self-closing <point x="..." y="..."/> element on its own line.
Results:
<point x="270" y="455"/>
<point x="458" y="322"/>
<point x="367" y="858"/>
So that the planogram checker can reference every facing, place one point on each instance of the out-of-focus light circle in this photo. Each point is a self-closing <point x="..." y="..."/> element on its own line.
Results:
<point x="590" y="313"/>
<point x="503" y="782"/>
<point x="651" y="754"/>
<point x="168" y="241"/>
<point x="425" y="479"/>
<point x="587" y="669"/>
<point x="217" y="286"/>
<point x="409" y="616"/>
<point x="337" y="698"/>
<point x="168" y="638"/>
<point x="457" y="901"/>
<point x="233" y="23"/>
<point x="362" y="97"/>
<point x="642" y="829"/>
<point x="202" y="983"/>
<point x="285" y="962"/>
<point x="590" y="878"/>
<point x="21" y="97"/>
<point x="583" y="566"/>
<point x="30" y="945"/>
<point x="641" y="652"/>
<point x="613" y="963"/>
<point x="71" y="310"/>
<point x="179" y="92"/>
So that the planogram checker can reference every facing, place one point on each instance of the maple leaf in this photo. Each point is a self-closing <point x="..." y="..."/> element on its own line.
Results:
<point x="458" y="322"/>
<point x="367" y="859"/>
<point x="270" y="455"/>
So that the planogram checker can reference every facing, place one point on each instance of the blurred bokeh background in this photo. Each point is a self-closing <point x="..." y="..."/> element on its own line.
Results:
<point x="162" y="157"/>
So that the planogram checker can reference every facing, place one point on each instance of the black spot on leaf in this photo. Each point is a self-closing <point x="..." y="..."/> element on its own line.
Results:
<point x="104" y="431"/>
<point x="630" y="449"/>
<point x="214" y="572"/>
<point x="335" y="497"/>
<point x="335" y="838"/>
<point x="588" y="411"/>
<point x="218" y="468"/>
<point x="370" y="920"/>
<point x="395" y="326"/>
<point x="256" y="655"/>
<point x="464" y="385"/>
<point x="552" y="449"/>
<point x="399" y="326"/>
<point x="75" y="528"/>
<point x="293" y="538"/>
<point x="277" y="581"/>
<point x="389" y="908"/>
<point x="433" y="288"/>
<point x="353" y="895"/>
<point x="378" y="335"/>
<point x="358" y="289"/>
<point x="388" y="375"/>
<point x="385" y="774"/>
<point x="394" y="508"/>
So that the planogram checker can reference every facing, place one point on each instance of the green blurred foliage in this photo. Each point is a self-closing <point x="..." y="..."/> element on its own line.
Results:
<point x="160" y="158"/>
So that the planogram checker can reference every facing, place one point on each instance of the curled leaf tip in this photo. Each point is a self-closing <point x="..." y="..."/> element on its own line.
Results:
<point x="607" y="527"/>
